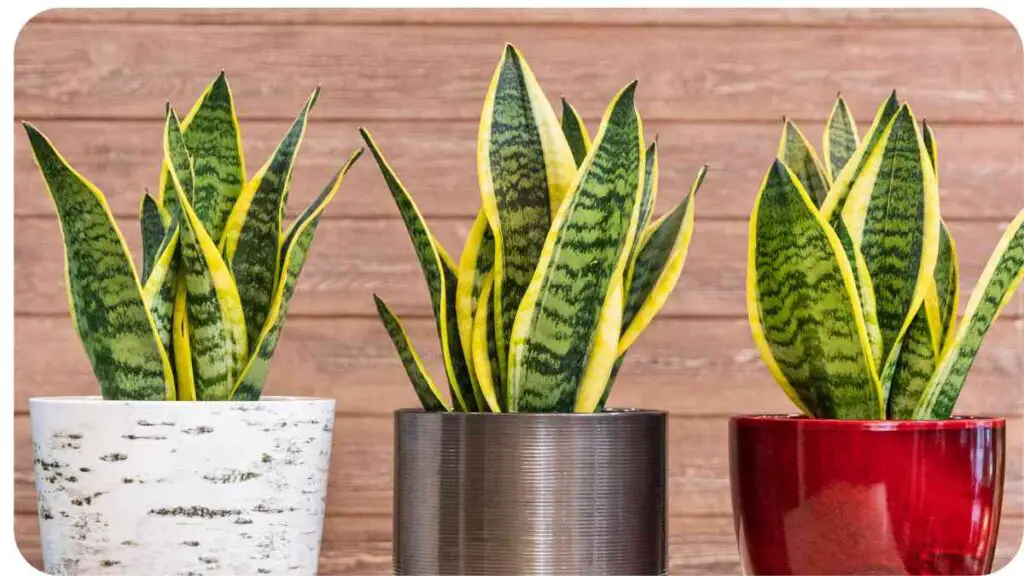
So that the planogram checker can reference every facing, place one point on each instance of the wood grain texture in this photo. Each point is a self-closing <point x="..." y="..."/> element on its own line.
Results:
<point x="342" y="280"/>
<point x="437" y="162"/>
<point x="477" y="17"/>
<point x="683" y="365"/>
<point x="373" y="73"/>
<point x="361" y="546"/>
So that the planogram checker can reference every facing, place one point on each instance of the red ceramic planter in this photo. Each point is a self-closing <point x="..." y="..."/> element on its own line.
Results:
<point x="866" y="497"/>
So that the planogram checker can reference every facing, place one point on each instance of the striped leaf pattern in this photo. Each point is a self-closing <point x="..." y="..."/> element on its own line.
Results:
<point x="476" y="263"/>
<point x="575" y="132"/>
<point x="591" y="235"/>
<point x="840" y="140"/>
<point x="217" y="337"/>
<point x="105" y="297"/>
<point x="996" y="286"/>
<point x="893" y="219"/>
<point x="803" y="306"/>
<point x="485" y="354"/>
<point x="152" y="224"/>
<point x="253" y="233"/>
<point x="525" y="169"/>
<point x="160" y="290"/>
<point x="648" y="197"/>
<point x="918" y="354"/>
<point x="798" y="154"/>
<point x="428" y="394"/>
<point x="298" y="239"/>
<point x="439" y="273"/>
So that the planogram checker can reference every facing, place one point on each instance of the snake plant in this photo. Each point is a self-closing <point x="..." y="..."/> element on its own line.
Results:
<point x="562" y="269"/>
<point x="218" y="268"/>
<point x="852" y="276"/>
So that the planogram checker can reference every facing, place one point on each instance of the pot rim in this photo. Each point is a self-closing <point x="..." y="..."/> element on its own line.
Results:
<point x="613" y="413"/>
<point x="99" y="400"/>
<point x="965" y="422"/>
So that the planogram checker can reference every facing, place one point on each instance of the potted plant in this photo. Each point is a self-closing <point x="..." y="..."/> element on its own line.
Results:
<point x="135" y="482"/>
<point x="852" y="293"/>
<point x="523" y="470"/>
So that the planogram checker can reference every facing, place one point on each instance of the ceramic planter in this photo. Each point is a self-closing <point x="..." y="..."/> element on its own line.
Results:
<point x="181" y="487"/>
<point x="858" y="497"/>
<point x="530" y="493"/>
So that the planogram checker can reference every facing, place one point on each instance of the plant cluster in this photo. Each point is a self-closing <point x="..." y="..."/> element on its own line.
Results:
<point x="852" y="277"/>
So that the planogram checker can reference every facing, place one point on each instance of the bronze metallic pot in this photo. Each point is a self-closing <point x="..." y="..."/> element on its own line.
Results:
<point x="480" y="493"/>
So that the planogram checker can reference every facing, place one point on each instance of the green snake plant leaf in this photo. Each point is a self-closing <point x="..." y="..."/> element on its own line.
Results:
<point x="181" y="341"/>
<point x="252" y="238"/>
<point x="216" y="324"/>
<point x="947" y="286"/>
<point x="804" y="308"/>
<point x="460" y="363"/>
<point x="575" y="132"/>
<point x="892" y="216"/>
<point x="295" y="250"/>
<point x="798" y="154"/>
<point x="840" y="139"/>
<point x="424" y="386"/>
<point x="485" y="355"/>
<point x="151" y="221"/>
<point x="525" y="169"/>
<point x="551" y="341"/>
<point x="648" y="197"/>
<point x="438" y="273"/>
<point x="931" y="145"/>
<point x="476" y="263"/>
<point x="918" y="353"/>
<point x="160" y="290"/>
<point x="994" y="290"/>
<point x="105" y="297"/>
<point x="214" y="140"/>
<point x="832" y="207"/>
<point x="603" y="354"/>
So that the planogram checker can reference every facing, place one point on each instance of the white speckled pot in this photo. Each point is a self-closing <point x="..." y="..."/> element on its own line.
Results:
<point x="181" y="487"/>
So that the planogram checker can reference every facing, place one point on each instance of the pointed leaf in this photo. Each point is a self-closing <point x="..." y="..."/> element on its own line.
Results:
<point x="803" y="306"/>
<point x="475" y="264"/>
<point x="428" y="394"/>
<point x="892" y="216"/>
<point x="590" y="237"/>
<point x="525" y="169"/>
<point x="153" y="231"/>
<point x="459" y="362"/>
<point x="918" y="353"/>
<point x="647" y="199"/>
<point x="437" y="275"/>
<point x="840" y="140"/>
<point x="105" y="298"/>
<point x="931" y="145"/>
<point x="160" y="289"/>
<point x="832" y="207"/>
<point x="798" y="154"/>
<point x="298" y="239"/>
<point x="252" y="235"/>
<point x="947" y="285"/>
<point x="485" y="354"/>
<point x="575" y="132"/>
<point x="663" y="249"/>
<point x="995" y="289"/>
<point x="216" y="325"/>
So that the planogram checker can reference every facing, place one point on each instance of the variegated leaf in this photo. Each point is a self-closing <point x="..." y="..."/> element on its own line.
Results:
<point x="994" y="290"/>
<point x="798" y="154"/>
<point x="525" y="169"/>
<point x="252" y="239"/>
<point x="840" y="140"/>
<point x="475" y="264"/>
<point x="918" y="352"/>
<point x="438" y="277"/>
<point x="105" y="297"/>
<point x="803" y="305"/>
<point x="554" y="329"/>
<point x="216" y="325"/>
<point x="424" y="386"/>
<point x="153" y="231"/>
<point x="485" y="353"/>
<point x="160" y="290"/>
<point x="575" y="132"/>
<point x="298" y="239"/>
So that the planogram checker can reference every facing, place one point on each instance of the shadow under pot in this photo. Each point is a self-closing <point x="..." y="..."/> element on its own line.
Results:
<point x="181" y="487"/>
<point x="481" y="493"/>
<point x="866" y="497"/>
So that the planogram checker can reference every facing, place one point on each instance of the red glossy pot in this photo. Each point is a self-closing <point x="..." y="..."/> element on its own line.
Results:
<point x="866" y="497"/>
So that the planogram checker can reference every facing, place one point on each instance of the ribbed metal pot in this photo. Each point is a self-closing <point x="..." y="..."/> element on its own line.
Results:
<point x="530" y="493"/>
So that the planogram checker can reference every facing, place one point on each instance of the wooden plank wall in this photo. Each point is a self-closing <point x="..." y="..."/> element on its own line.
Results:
<point x="713" y="85"/>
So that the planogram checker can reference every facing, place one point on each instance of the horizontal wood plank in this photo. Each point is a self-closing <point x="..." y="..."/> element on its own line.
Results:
<point x="361" y="474"/>
<point x="476" y="17"/>
<point x="361" y="546"/>
<point x="372" y="73"/>
<point x="687" y="367"/>
<point x="437" y="162"/>
<point x="353" y="259"/>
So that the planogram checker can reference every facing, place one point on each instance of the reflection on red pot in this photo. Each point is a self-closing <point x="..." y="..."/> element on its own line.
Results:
<point x="866" y="497"/>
